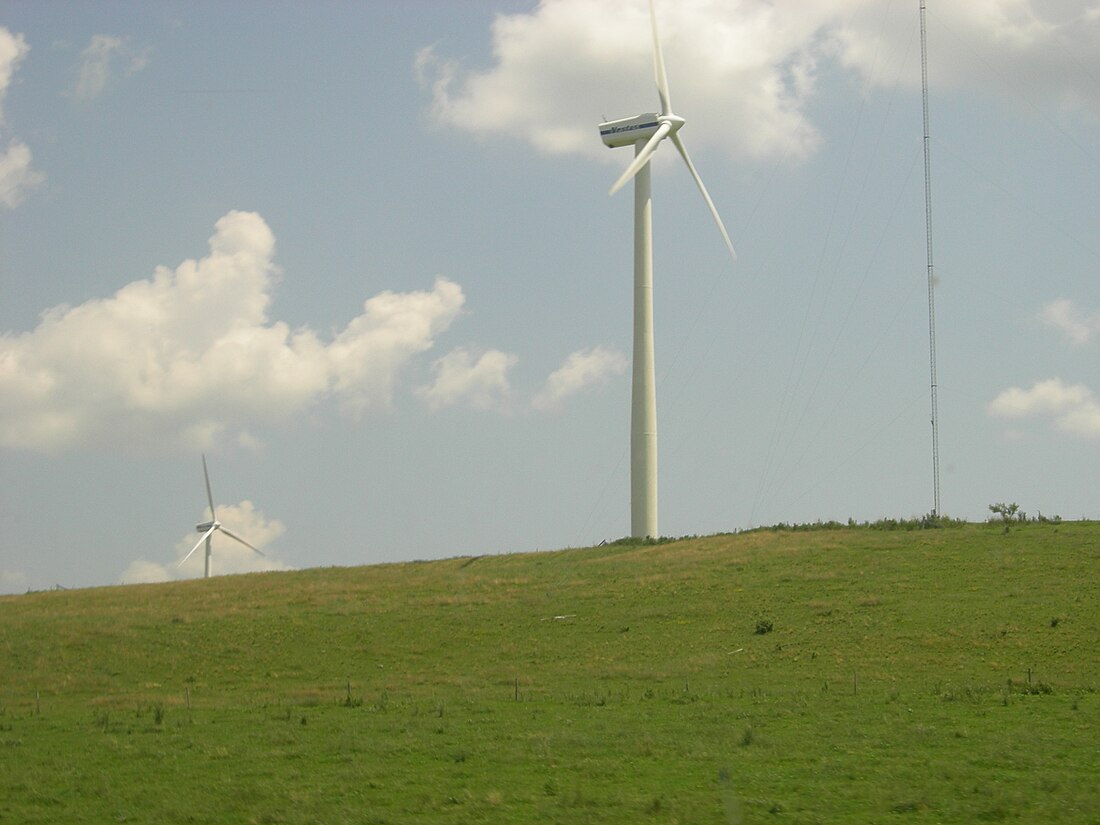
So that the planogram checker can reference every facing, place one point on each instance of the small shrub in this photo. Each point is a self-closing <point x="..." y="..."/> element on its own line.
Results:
<point x="764" y="626"/>
<point x="637" y="541"/>
<point x="907" y="807"/>
<point x="1037" y="689"/>
<point x="929" y="521"/>
<point x="351" y="701"/>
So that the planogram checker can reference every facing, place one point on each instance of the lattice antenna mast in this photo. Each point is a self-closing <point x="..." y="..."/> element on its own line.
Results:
<point x="931" y="268"/>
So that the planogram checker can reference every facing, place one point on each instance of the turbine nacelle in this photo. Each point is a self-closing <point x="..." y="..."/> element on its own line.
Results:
<point x="207" y="525"/>
<point x="629" y="130"/>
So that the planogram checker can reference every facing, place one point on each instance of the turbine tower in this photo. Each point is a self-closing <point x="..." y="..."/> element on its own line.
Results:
<point x="645" y="133"/>
<point x="208" y="528"/>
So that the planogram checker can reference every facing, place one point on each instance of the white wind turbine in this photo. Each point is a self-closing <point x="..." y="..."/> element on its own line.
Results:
<point x="645" y="132"/>
<point x="208" y="528"/>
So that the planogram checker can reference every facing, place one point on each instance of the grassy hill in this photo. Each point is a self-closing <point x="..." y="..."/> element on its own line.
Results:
<point x="828" y="676"/>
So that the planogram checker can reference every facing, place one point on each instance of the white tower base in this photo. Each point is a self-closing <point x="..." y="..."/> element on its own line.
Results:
<point x="643" y="408"/>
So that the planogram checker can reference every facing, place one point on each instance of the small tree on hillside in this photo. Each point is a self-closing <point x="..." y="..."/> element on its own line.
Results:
<point x="1008" y="513"/>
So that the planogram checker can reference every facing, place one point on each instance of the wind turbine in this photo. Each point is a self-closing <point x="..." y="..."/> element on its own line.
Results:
<point x="645" y="133"/>
<point x="208" y="528"/>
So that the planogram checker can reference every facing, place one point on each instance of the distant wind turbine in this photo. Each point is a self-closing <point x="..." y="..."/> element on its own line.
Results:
<point x="208" y="528"/>
<point x="645" y="132"/>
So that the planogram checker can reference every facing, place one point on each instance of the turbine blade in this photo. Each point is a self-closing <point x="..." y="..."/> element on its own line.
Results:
<point x="659" y="65"/>
<point x="198" y="544"/>
<point x="642" y="158"/>
<point x="242" y="541"/>
<point x="710" y="204"/>
<point x="209" y="495"/>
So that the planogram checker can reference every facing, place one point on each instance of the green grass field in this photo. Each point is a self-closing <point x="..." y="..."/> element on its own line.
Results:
<point x="926" y="676"/>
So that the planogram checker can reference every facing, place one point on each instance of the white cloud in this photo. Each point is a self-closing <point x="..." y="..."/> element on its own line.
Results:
<point x="738" y="72"/>
<point x="482" y="382"/>
<point x="742" y="73"/>
<point x="143" y="571"/>
<point x="460" y="379"/>
<point x="367" y="356"/>
<point x="226" y="556"/>
<point x="99" y="64"/>
<point x="580" y="370"/>
<point x="16" y="175"/>
<point x="1083" y="420"/>
<point x="139" y="61"/>
<point x="94" y="70"/>
<point x="1045" y="397"/>
<point x="1073" y="408"/>
<point x="13" y="48"/>
<point x="12" y="581"/>
<point x="189" y="357"/>
<point x="1077" y="325"/>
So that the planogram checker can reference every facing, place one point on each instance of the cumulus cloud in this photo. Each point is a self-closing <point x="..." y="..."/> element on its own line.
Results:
<point x="368" y="355"/>
<point x="580" y="370"/>
<point x="1079" y="326"/>
<point x="567" y="63"/>
<point x="17" y="177"/>
<point x="742" y="73"/>
<point x="460" y="379"/>
<point x="226" y="555"/>
<point x="482" y="382"/>
<point x="1073" y="408"/>
<point x="189" y="357"/>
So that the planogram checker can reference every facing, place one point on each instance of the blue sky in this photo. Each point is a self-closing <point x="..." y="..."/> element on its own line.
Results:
<point x="362" y="256"/>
